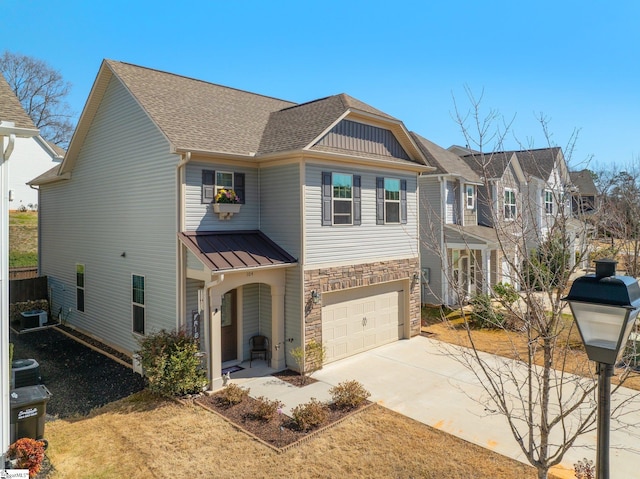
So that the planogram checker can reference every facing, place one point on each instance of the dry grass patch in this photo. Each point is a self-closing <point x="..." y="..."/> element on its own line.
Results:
<point x="511" y="344"/>
<point x="143" y="436"/>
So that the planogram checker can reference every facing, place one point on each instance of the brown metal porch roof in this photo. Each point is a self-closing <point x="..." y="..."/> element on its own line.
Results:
<point x="229" y="250"/>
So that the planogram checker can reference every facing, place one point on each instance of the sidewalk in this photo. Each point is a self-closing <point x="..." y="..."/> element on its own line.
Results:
<point x="420" y="379"/>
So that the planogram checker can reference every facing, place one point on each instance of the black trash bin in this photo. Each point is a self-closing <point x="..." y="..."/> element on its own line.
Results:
<point x="28" y="410"/>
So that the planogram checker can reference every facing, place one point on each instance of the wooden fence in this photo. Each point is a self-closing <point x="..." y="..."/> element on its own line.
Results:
<point x="23" y="273"/>
<point x="32" y="289"/>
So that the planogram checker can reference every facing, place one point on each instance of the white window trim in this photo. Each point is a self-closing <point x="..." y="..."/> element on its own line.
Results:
<point x="82" y="288"/>
<point x="392" y="201"/>
<point x="471" y="205"/>
<point x="512" y="206"/>
<point x="548" y="205"/>
<point x="217" y="188"/>
<point x="334" y="199"/>
<point x="143" y="306"/>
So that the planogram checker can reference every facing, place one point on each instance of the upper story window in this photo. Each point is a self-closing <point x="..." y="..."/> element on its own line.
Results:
<point x="80" y="287"/>
<point x="340" y="199"/>
<point x="214" y="181"/>
<point x="470" y="197"/>
<point x="391" y="200"/>
<point x="509" y="204"/>
<point x="342" y="186"/>
<point x="137" y="303"/>
<point x="548" y="202"/>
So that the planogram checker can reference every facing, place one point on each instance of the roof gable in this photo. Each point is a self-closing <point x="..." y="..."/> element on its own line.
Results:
<point x="11" y="109"/>
<point x="445" y="161"/>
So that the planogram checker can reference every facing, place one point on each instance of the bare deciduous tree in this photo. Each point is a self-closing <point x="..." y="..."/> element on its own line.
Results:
<point x="42" y="92"/>
<point x="546" y="407"/>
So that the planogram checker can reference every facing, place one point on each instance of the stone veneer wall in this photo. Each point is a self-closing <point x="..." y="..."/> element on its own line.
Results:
<point x="343" y="277"/>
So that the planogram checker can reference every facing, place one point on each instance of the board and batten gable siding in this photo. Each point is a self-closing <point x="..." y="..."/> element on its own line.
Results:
<point x="200" y="216"/>
<point x="431" y="239"/>
<point x="355" y="136"/>
<point x="367" y="241"/>
<point x="117" y="216"/>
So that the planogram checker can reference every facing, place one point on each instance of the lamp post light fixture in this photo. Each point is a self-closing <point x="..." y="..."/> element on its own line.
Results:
<point x="605" y="308"/>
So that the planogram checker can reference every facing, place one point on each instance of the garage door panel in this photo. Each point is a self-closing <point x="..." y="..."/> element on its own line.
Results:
<point x="353" y="326"/>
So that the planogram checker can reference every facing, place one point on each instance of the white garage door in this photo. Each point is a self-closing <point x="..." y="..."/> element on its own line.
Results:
<point x="350" y="326"/>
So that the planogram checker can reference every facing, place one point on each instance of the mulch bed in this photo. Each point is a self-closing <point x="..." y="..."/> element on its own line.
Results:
<point x="281" y="431"/>
<point x="294" y="378"/>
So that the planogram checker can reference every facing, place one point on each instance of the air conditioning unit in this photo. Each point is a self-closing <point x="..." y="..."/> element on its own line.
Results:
<point x="25" y="372"/>
<point x="33" y="319"/>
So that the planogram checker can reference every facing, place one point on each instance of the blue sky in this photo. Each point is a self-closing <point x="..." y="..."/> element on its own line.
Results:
<point x="576" y="63"/>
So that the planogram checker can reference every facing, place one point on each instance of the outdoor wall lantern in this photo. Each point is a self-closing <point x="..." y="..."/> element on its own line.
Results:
<point x="315" y="297"/>
<point x="605" y="308"/>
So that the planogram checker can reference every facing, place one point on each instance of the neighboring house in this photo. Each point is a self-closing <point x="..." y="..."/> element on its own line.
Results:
<point x="585" y="196"/>
<point x="547" y="185"/>
<point x="324" y="246"/>
<point x="30" y="157"/>
<point x="458" y="254"/>
<point x="501" y="207"/>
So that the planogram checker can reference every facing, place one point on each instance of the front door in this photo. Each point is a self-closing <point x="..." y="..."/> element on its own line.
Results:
<point x="229" y="334"/>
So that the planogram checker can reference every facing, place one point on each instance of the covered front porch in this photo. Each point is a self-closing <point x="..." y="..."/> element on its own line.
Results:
<point x="470" y="262"/>
<point x="235" y="290"/>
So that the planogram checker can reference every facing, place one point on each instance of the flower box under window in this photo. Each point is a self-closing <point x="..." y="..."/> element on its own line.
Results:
<point x="226" y="210"/>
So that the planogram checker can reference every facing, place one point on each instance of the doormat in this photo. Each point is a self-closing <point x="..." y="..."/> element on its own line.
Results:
<point x="232" y="369"/>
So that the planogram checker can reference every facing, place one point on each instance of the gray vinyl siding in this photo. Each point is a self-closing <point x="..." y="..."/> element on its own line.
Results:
<point x="484" y="205"/>
<point x="250" y="315"/>
<point x="470" y="215"/>
<point x="256" y="312"/>
<point x="120" y="199"/>
<point x="280" y="217"/>
<point x="365" y="242"/>
<point x="192" y="287"/>
<point x="431" y="247"/>
<point x="200" y="217"/>
<point x="293" y="315"/>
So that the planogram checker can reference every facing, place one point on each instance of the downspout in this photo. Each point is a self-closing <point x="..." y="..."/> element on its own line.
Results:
<point x="180" y="226"/>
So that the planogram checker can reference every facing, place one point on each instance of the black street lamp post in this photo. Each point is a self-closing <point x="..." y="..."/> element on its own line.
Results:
<point x="605" y="308"/>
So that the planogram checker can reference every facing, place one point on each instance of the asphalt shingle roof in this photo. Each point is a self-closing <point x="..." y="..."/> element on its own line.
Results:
<point x="443" y="160"/>
<point x="489" y="165"/>
<point x="197" y="115"/>
<point x="584" y="182"/>
<point x="10" y="107"/>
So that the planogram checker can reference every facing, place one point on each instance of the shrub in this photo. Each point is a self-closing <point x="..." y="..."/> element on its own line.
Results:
<point x="506" y="293"/>
<point x="349" y="394"/>
<point x="585" y="470"/>
<point x="233" y="394"/>
<point x="309" y="359"/>
<point x="265" y="409"/>
<point x="310" y="415"/>
<point x="171" y="363"/>
<point x="28" y="454"/>
<point x="484" y="314"/>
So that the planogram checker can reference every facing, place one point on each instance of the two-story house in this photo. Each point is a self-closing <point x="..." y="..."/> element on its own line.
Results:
<point x="323" y="244"/>
<point x="458" y="253"/>
<point x="30" y="156"/>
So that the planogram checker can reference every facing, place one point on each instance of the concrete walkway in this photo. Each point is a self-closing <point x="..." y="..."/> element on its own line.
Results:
<point x="420" y="379"/>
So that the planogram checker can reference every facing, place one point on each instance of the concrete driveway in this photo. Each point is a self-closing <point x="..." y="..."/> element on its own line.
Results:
<point x="420" y="379"/>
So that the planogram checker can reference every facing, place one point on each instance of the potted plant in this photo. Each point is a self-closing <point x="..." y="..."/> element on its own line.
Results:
<point x="226" y="203"/>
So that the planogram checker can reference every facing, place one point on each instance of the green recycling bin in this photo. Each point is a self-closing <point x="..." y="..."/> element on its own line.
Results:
<point x="28" y="410"/>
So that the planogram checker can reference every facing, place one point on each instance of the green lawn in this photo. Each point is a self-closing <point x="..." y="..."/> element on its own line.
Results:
<point x="23" y="238"/>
